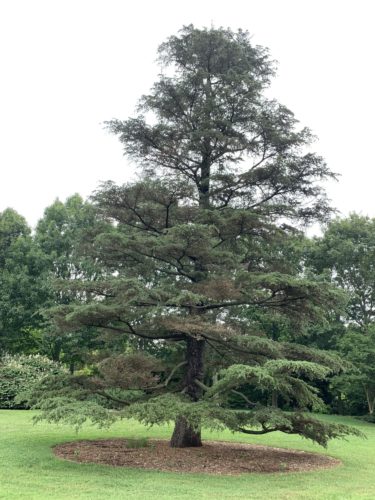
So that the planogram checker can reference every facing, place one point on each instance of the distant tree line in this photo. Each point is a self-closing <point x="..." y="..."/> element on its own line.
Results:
<point x="33" y="266"/>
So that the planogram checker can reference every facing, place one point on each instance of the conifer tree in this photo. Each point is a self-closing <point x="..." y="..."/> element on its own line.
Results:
<point x="201" y="238"/>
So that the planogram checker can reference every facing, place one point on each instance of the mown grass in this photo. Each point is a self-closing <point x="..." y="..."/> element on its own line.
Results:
<point x="28" y="469"/>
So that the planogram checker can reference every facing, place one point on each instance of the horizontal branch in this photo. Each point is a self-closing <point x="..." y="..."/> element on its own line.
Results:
<point x="131" y="331"/>
<point x="263" y="431"/>
<point x="268" y="302"/>
<point x="112" y="398"/>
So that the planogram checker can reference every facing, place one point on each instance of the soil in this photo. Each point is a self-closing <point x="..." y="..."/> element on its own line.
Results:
<point x="214" y="457"/>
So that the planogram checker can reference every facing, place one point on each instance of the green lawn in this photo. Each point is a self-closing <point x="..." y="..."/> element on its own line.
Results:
<point x="28" y="469"/>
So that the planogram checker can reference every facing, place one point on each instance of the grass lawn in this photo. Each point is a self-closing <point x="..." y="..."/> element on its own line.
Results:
<point x="28" y="469"/>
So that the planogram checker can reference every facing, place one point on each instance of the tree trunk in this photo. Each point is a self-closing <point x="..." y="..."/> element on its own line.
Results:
<point x="274" y="399"/>
<point x="204" y="185"/>
<point x="370" y="401"/>
<point x="56" y="350"/>
<point x="184" y="434"/>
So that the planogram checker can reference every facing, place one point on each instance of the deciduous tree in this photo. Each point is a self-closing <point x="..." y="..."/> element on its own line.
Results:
<point x="347" y="253"/>
<point x="22" y="287"/>
<point x="62" y="236"/>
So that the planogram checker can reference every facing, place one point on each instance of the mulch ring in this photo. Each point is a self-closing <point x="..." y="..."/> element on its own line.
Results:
<point x="214" y="457"/>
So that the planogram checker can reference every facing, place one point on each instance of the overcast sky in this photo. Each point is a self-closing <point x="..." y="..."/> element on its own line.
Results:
<point x="69" y="65"/>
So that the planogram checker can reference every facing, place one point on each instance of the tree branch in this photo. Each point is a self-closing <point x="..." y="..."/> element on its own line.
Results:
<point x="243" y="396"/>
<point x="263" y="431"/>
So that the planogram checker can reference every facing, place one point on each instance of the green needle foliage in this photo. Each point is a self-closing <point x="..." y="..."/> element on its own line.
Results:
<point x="198" y="245"/>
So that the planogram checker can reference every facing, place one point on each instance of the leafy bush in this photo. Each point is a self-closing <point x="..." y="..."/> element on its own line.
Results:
<point x="18" y="373"/>
<point x="368" y="418"/>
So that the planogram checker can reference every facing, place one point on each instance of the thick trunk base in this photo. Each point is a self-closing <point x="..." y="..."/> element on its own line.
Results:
<point x="185" y="436"/>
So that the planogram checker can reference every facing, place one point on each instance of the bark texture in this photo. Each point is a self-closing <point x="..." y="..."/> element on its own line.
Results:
<point x="184" y="435"/>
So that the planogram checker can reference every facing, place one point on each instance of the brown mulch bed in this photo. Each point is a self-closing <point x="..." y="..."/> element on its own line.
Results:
<point x="214" y="457"/>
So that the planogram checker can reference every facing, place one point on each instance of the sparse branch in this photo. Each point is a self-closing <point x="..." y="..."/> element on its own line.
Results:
<point x="243" y="396"/>
<point x="177" y="367"/>
<point x="233" y="391"/>
<point x="201" y="385"/>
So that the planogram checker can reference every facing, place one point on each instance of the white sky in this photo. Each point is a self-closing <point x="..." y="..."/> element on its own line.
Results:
<point x="68" y="65"/>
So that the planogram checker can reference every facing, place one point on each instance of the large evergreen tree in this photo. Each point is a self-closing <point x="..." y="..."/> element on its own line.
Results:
<point x="198" y="248"/>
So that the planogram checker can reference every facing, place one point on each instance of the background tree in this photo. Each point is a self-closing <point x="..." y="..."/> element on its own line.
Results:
<point x="194" y="243"/>
<point x="22" y="287"/>
<point x="346" y="253"/>
<point x="62" y="235"/>
<point x="19" y="372"/>
<point x="355" y="388"/>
